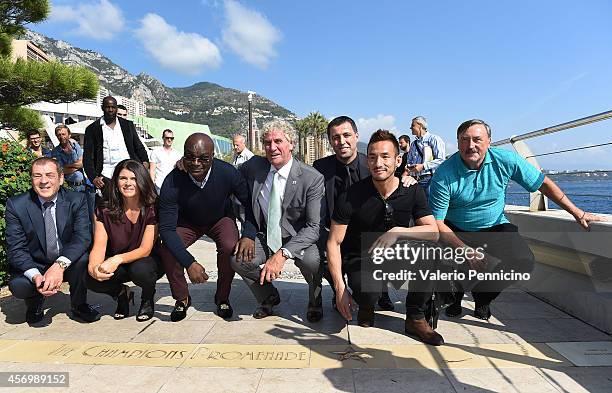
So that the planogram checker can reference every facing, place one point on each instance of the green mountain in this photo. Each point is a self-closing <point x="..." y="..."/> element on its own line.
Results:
<point x="223" y="109"/>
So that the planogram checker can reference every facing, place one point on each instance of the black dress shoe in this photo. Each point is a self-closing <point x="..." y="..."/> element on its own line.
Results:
<point x="180" y="310"/>
<point x="455" y="310"/>
<point x="365" y="316"/>
<point x="265" y="309"/>
<point x="225" y="310"/>
<point x="86" y="312"/>
<point x="35" y="310"/>
<point x="482" y="311"/>
<point x="146" y="311"/>
<point x="314" y="313"/>
<point x="385" y="303"/>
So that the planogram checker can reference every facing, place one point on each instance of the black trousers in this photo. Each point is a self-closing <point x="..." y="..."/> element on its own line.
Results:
<point x="143" y="272"/>
<point x="504" y="242"/>
<point x="23" y="288"/>
<point x="366" y="289"/>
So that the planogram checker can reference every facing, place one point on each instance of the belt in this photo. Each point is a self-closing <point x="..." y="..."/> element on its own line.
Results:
<point x="74" y="183"/>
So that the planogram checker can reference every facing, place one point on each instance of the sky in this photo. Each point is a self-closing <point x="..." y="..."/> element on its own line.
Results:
<point x="519" y="65"/>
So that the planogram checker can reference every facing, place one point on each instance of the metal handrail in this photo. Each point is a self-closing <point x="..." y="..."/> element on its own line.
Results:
<point x="557" y="128"/>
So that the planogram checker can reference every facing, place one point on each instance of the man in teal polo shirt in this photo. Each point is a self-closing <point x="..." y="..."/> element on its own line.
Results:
<point x="467" y="198"/>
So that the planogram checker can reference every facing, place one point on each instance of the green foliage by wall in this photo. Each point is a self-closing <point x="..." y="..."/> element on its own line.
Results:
<point x="14" y="179"/>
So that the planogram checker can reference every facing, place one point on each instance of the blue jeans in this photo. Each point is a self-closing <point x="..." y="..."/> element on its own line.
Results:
<point x="424" y="183"/>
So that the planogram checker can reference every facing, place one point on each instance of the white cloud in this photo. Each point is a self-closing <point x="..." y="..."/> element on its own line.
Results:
<point x="100" y="20"/>
<point x="367" y="127"/>
<point x="249" y="34"/>
<point x="186" y="53"/>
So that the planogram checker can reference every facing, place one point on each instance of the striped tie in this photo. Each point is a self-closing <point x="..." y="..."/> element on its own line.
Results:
<point x="50" y="232"/>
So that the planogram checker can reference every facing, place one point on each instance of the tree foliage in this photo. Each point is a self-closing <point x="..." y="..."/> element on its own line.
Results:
<point x="314" y="124"/>
<point x="25" y="81"/>
<point x="15" y="164"/>
<point x="14" y="14"/>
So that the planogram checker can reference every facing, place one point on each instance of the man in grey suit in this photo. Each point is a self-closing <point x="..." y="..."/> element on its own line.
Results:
<point x="287" y="198"/>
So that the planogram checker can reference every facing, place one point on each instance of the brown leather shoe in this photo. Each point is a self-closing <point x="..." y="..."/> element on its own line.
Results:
<point x="421" y="330"/>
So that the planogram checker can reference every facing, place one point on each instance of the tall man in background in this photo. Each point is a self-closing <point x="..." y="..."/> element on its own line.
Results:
<point x="426" y="153"/>
<point x="108" y="141"/>
<point x="163" y="159"/>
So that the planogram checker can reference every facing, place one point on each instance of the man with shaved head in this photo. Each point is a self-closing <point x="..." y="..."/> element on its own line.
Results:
<point x="108" y="141"/>
<point x="196" y="202"/>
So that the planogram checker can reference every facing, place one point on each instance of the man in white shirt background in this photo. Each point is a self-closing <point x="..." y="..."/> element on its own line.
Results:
<point x="163" y="159"/>
<point x="108" y="141"/>
<point x="241" y="153"/>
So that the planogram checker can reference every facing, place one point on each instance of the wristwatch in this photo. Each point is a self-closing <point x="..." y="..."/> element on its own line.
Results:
<point x="62" y="263"/>
<point x="286" y="253"/>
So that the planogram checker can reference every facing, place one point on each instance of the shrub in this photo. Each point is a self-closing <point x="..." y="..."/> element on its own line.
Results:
<point x="14" y="179"/>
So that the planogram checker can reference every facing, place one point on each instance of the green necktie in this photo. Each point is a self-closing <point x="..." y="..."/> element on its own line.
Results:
<point x="273" y="231"/>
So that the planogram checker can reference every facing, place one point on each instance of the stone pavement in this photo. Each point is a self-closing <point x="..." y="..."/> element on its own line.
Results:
<point x="528" y="346"/>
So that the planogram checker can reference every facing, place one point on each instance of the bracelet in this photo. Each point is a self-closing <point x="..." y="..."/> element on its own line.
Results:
<point x="562" y="198"/>
<point x="583" y="214"/>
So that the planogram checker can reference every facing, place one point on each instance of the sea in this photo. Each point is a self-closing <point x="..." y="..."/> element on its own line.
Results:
<point x="589" y="193"/>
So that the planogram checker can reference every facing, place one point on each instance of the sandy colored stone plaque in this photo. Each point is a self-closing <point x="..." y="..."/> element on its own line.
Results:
<point x="133" y="354"/>
<point x="4" y="344"/>
<point x="249" y="356"/>
<point x="355" y="356"/>
<point x="40" y="351"/>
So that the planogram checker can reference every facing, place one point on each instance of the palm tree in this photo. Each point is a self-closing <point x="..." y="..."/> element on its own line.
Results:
<point x="315" y="124"/>
<point x="302" y="130"/>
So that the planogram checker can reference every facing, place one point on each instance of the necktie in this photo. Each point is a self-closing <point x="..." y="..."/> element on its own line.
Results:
<point x="273" y="230"/>
<point x="348" y="181"/>
<point x="50" y="232"/>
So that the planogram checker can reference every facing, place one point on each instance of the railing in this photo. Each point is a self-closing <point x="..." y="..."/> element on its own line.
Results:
<point x="537" y="201"/>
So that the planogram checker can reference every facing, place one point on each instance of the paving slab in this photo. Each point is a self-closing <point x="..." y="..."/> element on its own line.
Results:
<point x="499" y="380"/>
<point x="526" y="346"/>
<point x="586" y="353"/>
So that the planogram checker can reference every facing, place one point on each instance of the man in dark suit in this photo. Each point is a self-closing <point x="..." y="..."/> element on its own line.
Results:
<point x="346" y="167"/>
<point x="288" y="210"/>
<point x="193" y="203"/>
<point x="108" y="141"/>
<point x="48" y="233"/>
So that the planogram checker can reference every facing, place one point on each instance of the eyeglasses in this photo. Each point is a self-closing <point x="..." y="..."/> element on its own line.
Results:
<point x="388" y="216"/>
<point x="170" y="138"/>
<point x="202" y="159"/>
